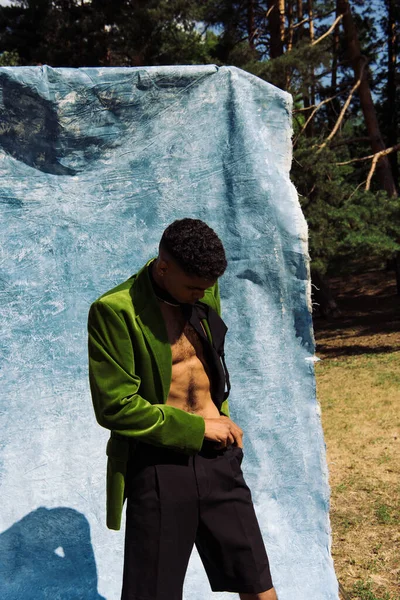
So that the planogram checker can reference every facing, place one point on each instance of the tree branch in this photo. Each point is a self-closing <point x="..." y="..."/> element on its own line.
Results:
<point x="356" y="189"/>
<point x="377" y="156"/>
<point x="316" y="107"/>
<point x="331" y="28"/>
<point x="271" y="8"/>
<point x="345" y="107"/>
<point x="300" y="23"/>
<point x="315" y="17"/>
<point x="296" y="110"/>
<point x="299" y="97"/>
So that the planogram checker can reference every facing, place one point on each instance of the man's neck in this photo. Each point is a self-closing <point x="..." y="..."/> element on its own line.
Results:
<point x="158" y="286"/>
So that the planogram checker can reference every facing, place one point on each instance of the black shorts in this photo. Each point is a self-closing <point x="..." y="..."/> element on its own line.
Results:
<point x="174" y="501"/>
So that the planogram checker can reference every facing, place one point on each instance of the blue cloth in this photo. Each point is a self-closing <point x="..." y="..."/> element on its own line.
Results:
<point x="94" y="164"/>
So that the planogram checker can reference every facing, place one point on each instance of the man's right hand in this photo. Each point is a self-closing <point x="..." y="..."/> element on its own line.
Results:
<point x="223" y="430"/>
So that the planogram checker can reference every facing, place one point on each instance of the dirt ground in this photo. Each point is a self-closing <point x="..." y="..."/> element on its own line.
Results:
<point x="370" y="316"/>
<point x="358" y="387"/>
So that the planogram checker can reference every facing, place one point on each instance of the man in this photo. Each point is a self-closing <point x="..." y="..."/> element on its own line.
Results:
<point x="157" y="378"/>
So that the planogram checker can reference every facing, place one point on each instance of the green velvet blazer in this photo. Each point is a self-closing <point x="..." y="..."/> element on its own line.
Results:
<point x="130" y="367"/>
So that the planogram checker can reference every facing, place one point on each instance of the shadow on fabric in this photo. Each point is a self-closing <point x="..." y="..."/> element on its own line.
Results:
<point x="48" y="555"/>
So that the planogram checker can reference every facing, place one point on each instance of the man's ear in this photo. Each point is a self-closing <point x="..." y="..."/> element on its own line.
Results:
<point x="162" y="265"/>
<point x="164" y="261"/>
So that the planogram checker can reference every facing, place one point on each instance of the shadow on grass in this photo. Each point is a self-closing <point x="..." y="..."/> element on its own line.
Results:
<point x="352" y="350"/>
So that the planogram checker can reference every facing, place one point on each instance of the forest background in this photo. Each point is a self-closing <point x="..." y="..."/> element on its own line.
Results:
<point x="338" y="59"/>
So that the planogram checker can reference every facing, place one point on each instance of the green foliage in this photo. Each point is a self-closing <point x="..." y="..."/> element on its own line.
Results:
<point x="104" y="32"/>
<point x="293" y="71"/>
<point x="157" y="33"/>
<point x="23" y="27"/>
<point x="9" y="59"/>
<point x="344" y="221"/>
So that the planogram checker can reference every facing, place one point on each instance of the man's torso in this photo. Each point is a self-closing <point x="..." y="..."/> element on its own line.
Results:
<point x="190" y="388"/>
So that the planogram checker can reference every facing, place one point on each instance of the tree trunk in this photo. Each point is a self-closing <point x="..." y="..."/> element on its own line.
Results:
<point x="334" y="107"/>
<point x="274" y="20"/>
<point x="311" y="17"/>
<point x="356" y="59"/>
<point x="250" y="23"/>
<point x="299" y="11"/>
<point x="281" y="4"/>
<point x="300" y="35"/>
<point x="300" y="29"/>
<point x="335" y="52"/>
<point x="311" y="37"/>
<point x="289" y="12"/>
<point x="397" y="271"/>
<point x="290" y="36"/>
<point x="392" y="121"/>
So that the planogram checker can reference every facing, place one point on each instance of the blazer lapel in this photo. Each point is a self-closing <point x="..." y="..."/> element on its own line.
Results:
<point x="215" y="326"/>
<point x="215" y="329"/>
<point x="151" y="322"/>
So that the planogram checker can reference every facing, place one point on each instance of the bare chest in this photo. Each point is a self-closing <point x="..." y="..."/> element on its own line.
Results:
<point x="185" y="341"/>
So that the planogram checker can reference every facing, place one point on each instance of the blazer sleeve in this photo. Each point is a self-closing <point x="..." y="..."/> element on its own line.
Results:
<point x="114" y="387"/>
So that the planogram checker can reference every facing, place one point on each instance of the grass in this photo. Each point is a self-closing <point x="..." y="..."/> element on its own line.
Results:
<point x="360" y="399"/>
<point x="383" y="514"/>
<point x="358" y="387"/>
<point x="362" y="590"/>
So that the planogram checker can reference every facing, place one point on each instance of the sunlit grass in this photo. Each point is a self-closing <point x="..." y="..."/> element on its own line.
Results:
<point x="360" y="404"/>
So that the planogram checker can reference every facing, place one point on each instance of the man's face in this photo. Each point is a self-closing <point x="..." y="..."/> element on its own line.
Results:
<point x="185" y="288"/>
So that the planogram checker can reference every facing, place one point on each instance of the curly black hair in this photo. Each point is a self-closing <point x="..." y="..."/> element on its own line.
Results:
<point x="195" y="247"/>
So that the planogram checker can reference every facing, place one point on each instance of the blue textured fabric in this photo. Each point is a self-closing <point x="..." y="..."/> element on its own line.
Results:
<point x="94" y="164"/>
